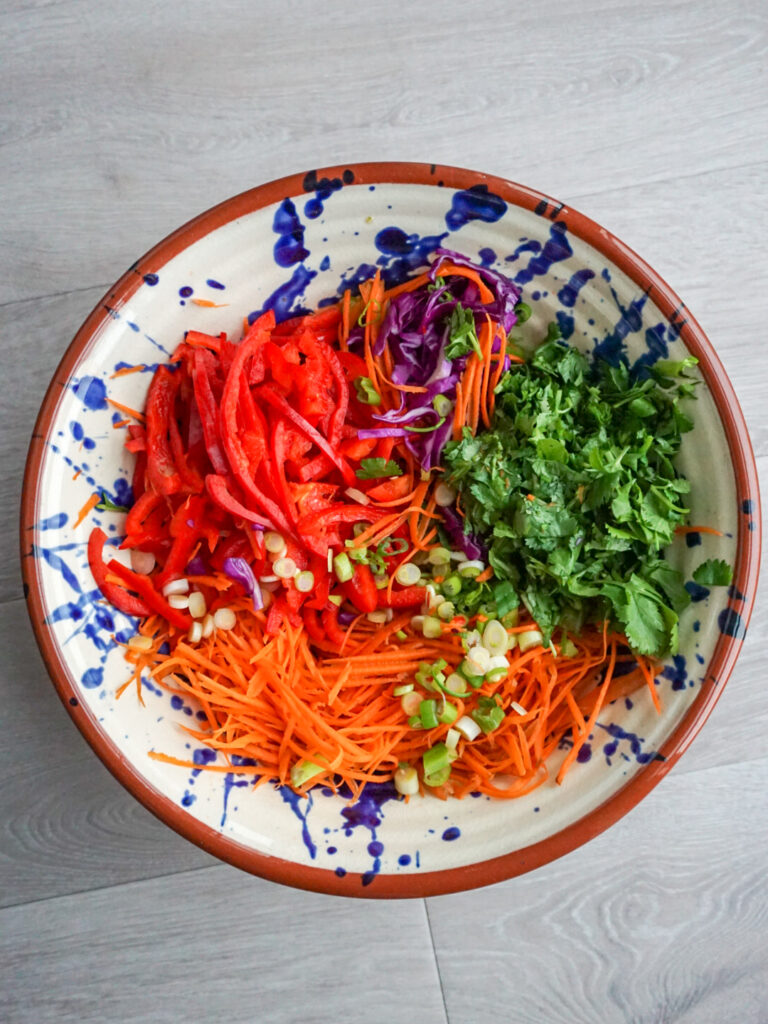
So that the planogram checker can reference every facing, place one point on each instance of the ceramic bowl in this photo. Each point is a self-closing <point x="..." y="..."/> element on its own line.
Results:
<point x="289" y="245"/>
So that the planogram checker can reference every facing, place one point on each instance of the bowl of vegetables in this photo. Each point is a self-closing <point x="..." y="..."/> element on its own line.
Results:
<point x="369" y="534"/>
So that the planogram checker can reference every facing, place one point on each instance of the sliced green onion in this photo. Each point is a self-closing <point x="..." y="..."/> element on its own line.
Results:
<point x="449" y="714"/>
<point x="498" y="668"/>
<point x="274" y="543"/>
<point x="406" y="780"/>
<point x="432" y="628"/>
<point x="451" y="587"/>
<point x="304" y="582"/>
<point x="474" y="679"/>
<point x="415" y="722"/>
<point x="477" y="661"/>
<point x="468" y="728"/>
<point x="428" y="713"/>
<point x="402" y="689"/>
<point x="284" y="568"/>
<point x="438" y="778"/>
<point x="523" y="312"/>
<point x="382" y="582"/>
<point x="529" y="638"/>
<point x="401" y="634"/>
<point x="343" y="567"/>
<point x="568" y="648"/>
<point x="455" y="685"/>
<point x="495" y="637"/>
<point x="408" y="574"/>
<point x="442" y="405"/>
<point x="335" y="599"/>
<point x="444" y="495"/>
<point x="392" y="546"/>
<point x="446" y="610"/>
<point x="452" y="738"/>
<point x="439" y="556"/>
<point x="303" y="771"/>
<point x="426" y="430"/>
<point x="410" y="702"/>
<point x="379" y="617"/>
<point x="435" y="759"/>
<point x="366" y="392"/>
<point x="488" y="717"/>
<point x="470" y="568"/>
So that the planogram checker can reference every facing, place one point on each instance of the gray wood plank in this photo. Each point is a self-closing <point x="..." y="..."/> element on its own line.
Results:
<point x="65" y="824"/>
<point x="101" y="161"/>
<point x="216" y="945"/>
<point x="662" y="919"/>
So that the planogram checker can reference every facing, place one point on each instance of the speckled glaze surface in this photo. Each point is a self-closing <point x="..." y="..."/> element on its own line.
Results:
<point x="291" y="245"/>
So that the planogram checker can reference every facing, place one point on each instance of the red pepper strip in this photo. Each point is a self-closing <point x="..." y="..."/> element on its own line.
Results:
<point x="238" y="459"/>
<point x="219" y="491"/>
<point x="278" y="402"/>
<point x="311" y="625"/>
<point x="254" y="429"/>
<point x="316" y="467"/>
<point x="391" y="490"/>
<point x="353" y="365"/>
<point x="205" y="341"/>
<point x="316" y="522"/>
<point x="278" y="454"/>
<point x="342" y="403"/>
<point x="277" y="611"/>
<point x="138" y="484"/>
<point x="361" y="589"/>
<point x="206" y="406"/>
<point x="323" y="318"/>
<point x="145" y="589"/>
<point x="384" y="448"/>
<point x="334" y="632"/>
<point x="116" y="596"/>
<point x="142" y="508"/>
<point x="186" y="529"/>
<point x="190" y="478"/>
<point x="319" y="596"/>
<point x="408" y="597"/>
<point x="161" y="468"/>
<point x="357" y="449"/>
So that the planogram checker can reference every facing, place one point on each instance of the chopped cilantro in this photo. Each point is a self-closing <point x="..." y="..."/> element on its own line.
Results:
<point x="715" y="572"/>
<point x="575" y="492"/>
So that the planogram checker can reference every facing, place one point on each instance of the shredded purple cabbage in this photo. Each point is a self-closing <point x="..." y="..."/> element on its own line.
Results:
<point x="416" y="330"/>
<point x="240" y="571"/>
<point x="346" y="618"/>
<point x="196" y="566"/>
<point x="471" y="545"/>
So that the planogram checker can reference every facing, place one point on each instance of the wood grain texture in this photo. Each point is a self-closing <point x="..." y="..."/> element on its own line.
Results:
<point x="163" y="110"/>
<point x="213" y="946"/>
<point x="120" y="122"/>
<point x="661" y="920"/>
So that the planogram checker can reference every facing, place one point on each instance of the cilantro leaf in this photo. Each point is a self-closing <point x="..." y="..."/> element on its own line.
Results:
<point x="107" y="505"/>
<point x="462" y="334"/>
<point x="715" y="572"/>
<point x="373" y="469"/>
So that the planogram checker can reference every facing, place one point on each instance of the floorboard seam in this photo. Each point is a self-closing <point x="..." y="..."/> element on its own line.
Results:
<point x="437" y="963"/>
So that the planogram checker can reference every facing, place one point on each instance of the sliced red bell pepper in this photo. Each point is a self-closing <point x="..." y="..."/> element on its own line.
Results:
<point x="279" y="443"/>
<point x="333" y="631"/>
<point x="319" y="596"/>
<point x="408" y="597"/>
<point x="202" y="369"/>
<point x="312" y="625"/>
<point x="358" y="448"/>
<point x="278" y="402"/>
<point x="205" y="341"/>
<point x="188" y="525"/>
<point x="191" y="480"/>
<point x="116" y="596"/>
<point x="361" y="589"/>
<point x="317" y="467"/>
<point x="391" y="490"/>
<point x="138" y="480"/>
<point x="318" y="522"/>
<point x="342" y="401"/>
<point x="152" y="599"/>
<point x="161" y="468"/>
<point x="384" y="448"/>
<point x="142" y="508"/>
<point x="219" y="491"/>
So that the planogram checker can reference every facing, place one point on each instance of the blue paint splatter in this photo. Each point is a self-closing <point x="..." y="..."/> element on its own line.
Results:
<point x="451" y="833"/>
<point x="76" y="430"/>
<point x="693" y="539"/>
<point x="697" y="592"/>
<point x="570" y="292"/>
<point x="526" y="245"/>
<point x="585" y="753"/>
<point x="58" y="564"/>
<point x="325" y="263"/>
<point x="366" y="812"/>
<point x="475" y="203"/>
<point x="735" y="594"/>
<point x="700" y="659"/>
<point x="635" y="744"/>
<point x="487" y="256"/>
<point x="283" y="299"/>
<point x="296" y="803"/>
<point x="54" y="522"/>
<point x="676" y="672"/>
<point x="401" y="254"/>
<point x="747" y="506"/>
<point x="696" y="626"/>
<point x="185" y="291"/>
<point x="611" y="348"/>
<point x="323" y="189"/>
<point x="289" y="247"/>
<point x="92" y="392"/>
<point x="151" y="279"/>
<point x="188" y="799"/>
<point x="133" y="326"/>
<point x="214" y="284"/>
<point x="565" y="322"/>
<point x="556" y="249"/>
<point x="731" y="623"/>
<point x="93" y="678"/>
<point x="340" y="872"/>
<point x="404" y="859"/>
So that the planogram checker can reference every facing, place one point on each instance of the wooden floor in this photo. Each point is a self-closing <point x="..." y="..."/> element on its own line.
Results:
<point x="118" y="122"/>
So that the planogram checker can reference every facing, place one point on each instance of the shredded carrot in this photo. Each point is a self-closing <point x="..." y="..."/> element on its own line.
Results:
<point x="77" y="474"/>
<point x="126" y="409"/>
<point x="120" y="423"/>
<point x="91" y="503"/>
<point x="484" y="575"/>
<point x="681" y="530"/>
<point x="125" y="370"/>
<point x="207" y="304"/>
